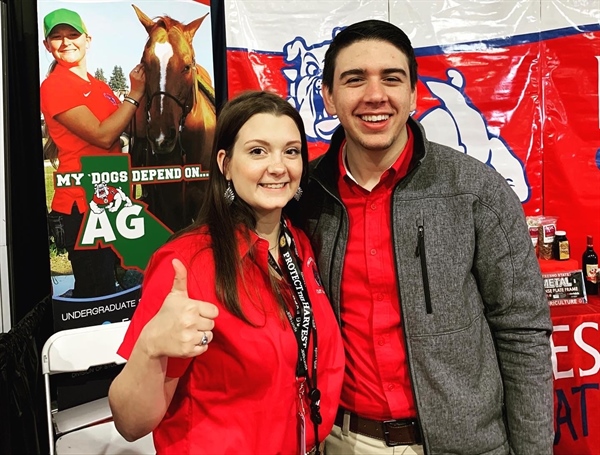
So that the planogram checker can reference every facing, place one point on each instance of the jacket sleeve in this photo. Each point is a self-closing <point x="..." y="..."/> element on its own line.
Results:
<point x="518" y="314"/>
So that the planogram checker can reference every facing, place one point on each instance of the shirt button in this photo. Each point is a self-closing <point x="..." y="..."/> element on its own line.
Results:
<point x="381" y="341"/>
<point x="373" y="252"/>
<point x="390" y="387"/>
<point x="380" y="297"/>
<point x="373" y="206"/>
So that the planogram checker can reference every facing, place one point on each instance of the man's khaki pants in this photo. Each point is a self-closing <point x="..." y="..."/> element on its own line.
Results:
<point x="347" y="443"/>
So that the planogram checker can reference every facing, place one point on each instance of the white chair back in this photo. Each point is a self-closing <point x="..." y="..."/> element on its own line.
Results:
<point x="87" y="428"/>
<point x="80" y="349"/>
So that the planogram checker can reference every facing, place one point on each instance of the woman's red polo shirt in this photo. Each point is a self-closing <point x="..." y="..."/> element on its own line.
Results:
<point x="61" y="91"/>
<point x="240" y="397"/>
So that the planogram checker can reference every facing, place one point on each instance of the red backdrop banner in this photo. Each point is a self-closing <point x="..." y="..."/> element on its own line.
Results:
<point x="576" y="361"/>
<point x="498" y="84"/>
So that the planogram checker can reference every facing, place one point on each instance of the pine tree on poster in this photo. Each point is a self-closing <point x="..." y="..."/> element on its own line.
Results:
<point x="99" y="74"/>
<point x="117" y="80"/>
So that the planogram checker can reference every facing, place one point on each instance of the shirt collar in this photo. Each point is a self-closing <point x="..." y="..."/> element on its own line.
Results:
<point x="393" y="174"/>
<point x="63" y="71"/>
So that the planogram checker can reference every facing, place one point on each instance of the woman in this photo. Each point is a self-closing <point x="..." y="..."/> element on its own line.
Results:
<point x="237" y="376"/>
<point x="83" y="117"/>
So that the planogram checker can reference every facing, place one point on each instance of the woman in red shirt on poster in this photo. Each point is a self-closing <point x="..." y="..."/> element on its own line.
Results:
<point x="83" y="117"/>
<point x="259" y="371"/>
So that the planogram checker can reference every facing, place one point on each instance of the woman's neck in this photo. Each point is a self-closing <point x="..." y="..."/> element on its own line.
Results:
<point x="267" y="227"/>
<point x="81" y="70"/>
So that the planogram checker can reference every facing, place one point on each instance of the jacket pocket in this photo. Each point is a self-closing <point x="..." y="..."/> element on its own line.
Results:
<point x="420" y="253"/>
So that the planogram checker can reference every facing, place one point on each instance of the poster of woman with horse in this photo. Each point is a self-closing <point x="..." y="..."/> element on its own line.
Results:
<point x="136" y="158"/>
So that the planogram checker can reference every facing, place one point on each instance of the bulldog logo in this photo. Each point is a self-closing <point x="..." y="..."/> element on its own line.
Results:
<point x="458" y="123"/>
<point x="304" y="73"/>
<point x="108" y="198"/>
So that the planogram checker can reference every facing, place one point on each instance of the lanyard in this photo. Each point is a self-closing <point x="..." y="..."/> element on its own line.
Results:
<point x="303" y="323"/>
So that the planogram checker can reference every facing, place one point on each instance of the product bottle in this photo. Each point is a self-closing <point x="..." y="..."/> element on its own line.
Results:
<point x="589" y="264"/>
<point x="560" y="246"/>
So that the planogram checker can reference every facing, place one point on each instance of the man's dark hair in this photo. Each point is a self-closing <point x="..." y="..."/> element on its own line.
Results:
<point x="369" y="30"/>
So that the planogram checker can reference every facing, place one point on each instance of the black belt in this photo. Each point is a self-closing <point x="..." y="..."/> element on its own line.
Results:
<point x="393" y="432"/>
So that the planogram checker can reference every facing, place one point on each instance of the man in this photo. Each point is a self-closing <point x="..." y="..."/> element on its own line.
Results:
<point x="425" y="255"/>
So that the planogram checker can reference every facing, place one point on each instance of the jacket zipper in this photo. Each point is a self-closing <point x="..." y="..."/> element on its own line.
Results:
<point x="420" y="253"/>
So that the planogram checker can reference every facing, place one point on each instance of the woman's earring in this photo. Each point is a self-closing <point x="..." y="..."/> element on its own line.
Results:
<point x="229" y="195"/>
<point x="298" y="194"/>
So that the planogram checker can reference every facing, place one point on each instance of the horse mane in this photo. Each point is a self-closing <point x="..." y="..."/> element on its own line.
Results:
<point x="166" y="22"/>
<point x="204" y="85"/>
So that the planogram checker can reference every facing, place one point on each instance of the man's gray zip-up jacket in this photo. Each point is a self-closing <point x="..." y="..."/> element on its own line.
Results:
<point x="473" y="306"/>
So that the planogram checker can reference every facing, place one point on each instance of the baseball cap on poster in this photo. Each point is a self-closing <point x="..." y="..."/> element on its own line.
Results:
<point x="63" y="16"/>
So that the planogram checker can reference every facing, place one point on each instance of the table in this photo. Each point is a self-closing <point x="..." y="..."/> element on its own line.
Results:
<point x="576" y="365"/>
<point x="551" y="266"/>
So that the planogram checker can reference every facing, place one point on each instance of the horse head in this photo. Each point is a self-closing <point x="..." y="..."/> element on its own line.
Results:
<point x="171" y="76"/>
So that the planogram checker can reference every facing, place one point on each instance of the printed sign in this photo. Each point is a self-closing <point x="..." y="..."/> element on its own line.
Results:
<point x="112" y="205"/>
<point x="564" y="288"/>
<point x="575" y="345"/>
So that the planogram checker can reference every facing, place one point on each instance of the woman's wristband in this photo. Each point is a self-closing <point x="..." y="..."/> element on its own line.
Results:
<point x="132" y="101"/>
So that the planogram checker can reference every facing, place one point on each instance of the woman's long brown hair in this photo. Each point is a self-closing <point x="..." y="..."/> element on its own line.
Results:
<point x="224" y="220"/>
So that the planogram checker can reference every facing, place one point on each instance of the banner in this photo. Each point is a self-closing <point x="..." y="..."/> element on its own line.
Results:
<point x="111" y="205"/>
<point x="513" y="84"/>
<point x="571" y="148"/>
<point x="576" y="362"/>
<point x="498" y="80"/>
<point x="262" y="53"/>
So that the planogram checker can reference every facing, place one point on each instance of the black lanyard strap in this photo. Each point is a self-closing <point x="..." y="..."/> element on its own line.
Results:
<point x="303" y="323"/>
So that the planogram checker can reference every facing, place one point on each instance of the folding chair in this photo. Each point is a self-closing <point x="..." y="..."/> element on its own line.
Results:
<point x="87" y="428"/>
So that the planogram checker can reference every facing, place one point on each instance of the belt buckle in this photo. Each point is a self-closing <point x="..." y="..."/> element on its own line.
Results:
<point x="386" y="433"/>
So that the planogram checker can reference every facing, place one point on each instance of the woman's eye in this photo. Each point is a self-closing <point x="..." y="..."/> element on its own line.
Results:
<point x="256" y="151"/>
<point x="293" y="151"/>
